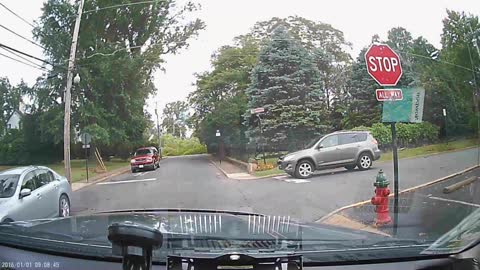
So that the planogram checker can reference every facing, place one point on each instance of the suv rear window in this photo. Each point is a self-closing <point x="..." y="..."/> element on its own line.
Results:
<point x="361" y="137"/>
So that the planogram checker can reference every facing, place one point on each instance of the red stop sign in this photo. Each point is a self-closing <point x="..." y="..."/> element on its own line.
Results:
<point x="383" y="64"/>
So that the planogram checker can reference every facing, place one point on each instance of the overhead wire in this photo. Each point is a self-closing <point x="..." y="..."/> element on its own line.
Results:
<point x="18" y="35"/>
<point x="122" y="5"/>
<point x="18" y="16"/>
<point x="25" y="54"/>
<point x="21" y="57"/>
<point x="19" y="61"/>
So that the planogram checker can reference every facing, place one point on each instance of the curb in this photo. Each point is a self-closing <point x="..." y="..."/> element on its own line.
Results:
<point x="220" y="169"/>
<point x="102" y="178"/>
<point x="253" y="177"/>
<point x="400" y="192"/>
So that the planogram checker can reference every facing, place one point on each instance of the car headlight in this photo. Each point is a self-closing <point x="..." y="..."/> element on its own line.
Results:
<point x="149" y="159"/>
<point x="132" y="161"/>
<point x="288" y="158"/>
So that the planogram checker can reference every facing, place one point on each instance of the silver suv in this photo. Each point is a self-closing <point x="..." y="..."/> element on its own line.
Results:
<point x="347" y="149"/>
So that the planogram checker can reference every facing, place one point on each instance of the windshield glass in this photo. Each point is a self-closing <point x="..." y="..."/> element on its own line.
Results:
<point x="143" y="152"/>
<point x="213" y="108"/>
<point x="8" y="185"/>
<point x="313" y="142"/>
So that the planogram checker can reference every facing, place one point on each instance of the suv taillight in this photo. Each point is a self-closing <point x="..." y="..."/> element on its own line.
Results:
<point x="374" y="141"/>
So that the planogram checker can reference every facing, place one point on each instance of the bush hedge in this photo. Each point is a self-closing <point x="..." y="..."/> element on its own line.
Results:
<point x="174" y="146"/>
<point x="409" y="135"/>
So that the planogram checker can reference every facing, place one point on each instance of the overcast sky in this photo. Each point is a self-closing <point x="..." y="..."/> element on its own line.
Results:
<point x="225" y="19"/>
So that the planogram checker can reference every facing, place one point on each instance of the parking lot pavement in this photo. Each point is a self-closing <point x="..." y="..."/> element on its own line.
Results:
<point x="425" y="213"/>
<point x="194" y="182"/>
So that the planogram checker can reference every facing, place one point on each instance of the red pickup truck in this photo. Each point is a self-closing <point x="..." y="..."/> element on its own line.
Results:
<point x="145" y="158"/>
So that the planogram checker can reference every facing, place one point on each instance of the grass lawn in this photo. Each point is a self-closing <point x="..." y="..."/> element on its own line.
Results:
<point x="78" y="168"/>
<point x="268" y="172"/>
<point x="431" y="149"/>
<point x="405" y="153"/>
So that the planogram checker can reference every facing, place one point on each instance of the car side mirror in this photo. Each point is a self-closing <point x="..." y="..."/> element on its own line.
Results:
<point x="25" y="192"/>
<point x="320" y="146"/>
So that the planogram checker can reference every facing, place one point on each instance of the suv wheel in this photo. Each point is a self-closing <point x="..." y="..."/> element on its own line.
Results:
<point x="304" y="169"/>
<point x="364" y="161"/>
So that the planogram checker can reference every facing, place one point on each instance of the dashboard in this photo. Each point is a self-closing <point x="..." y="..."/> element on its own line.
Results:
<point x="14" y="258"/>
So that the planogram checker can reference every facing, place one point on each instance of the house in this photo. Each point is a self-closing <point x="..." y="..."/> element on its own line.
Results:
<point x="15" y="120"/>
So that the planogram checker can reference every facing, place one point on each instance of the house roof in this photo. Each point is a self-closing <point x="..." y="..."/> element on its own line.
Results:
<point x="15" y="111"/>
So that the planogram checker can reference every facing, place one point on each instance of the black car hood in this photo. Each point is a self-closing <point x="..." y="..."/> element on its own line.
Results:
<point x="185" y="229"/>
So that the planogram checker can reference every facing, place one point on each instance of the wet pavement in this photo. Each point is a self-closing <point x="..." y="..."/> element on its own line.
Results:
<point x="426" y="213"/>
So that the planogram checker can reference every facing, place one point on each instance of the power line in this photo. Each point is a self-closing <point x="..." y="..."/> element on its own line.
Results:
<point x="120" y="5"/>
<point x="21" y="57"/>
<point x="26" y="54"/>
<point x="43" y="69"/>
<point x="15" y="33"/>
<point x="18" y="16"/>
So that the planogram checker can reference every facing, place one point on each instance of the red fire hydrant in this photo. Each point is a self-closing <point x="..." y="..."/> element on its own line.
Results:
<point x="380" y="200"/>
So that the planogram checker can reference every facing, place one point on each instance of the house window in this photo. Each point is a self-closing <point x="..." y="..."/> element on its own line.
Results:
<point x="9" y="126"/>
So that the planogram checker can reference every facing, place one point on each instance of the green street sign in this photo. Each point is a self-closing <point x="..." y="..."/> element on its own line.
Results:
<point x="407" y="110"/>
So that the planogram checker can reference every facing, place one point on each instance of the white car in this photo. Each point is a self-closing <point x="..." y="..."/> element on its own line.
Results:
<point x="33" y="192"/>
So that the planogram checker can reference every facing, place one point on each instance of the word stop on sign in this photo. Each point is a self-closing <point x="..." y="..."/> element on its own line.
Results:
<point x="388" y="64"/>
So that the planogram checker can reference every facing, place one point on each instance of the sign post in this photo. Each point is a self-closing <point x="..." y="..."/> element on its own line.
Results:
<point x="86" y="139"/>
<point x="257" y="112"/>
<point x="383" y="64"/>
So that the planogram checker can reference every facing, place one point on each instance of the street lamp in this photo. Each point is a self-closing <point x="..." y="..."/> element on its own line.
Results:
<point x="220" y="153"/>
<point x="76" y="80"/>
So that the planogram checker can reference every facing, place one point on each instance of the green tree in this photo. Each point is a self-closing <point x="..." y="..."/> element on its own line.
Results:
<point x="10" y="98"/>
<point x="219" y="100"/>
<point x="328" y="46"/>
<point x="119" y="50"/>
<point x="174" y="118"/>
<point x="287" y="84"/>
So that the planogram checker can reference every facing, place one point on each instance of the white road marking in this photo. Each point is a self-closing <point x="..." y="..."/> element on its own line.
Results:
<point x="127" y="181"/>
<point x="296" y="181"/>
<point x="289" y="179"/>
<point x="454" y="201"/>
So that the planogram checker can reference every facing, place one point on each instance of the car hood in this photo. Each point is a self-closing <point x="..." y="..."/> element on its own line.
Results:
<point x="298" y="154"/>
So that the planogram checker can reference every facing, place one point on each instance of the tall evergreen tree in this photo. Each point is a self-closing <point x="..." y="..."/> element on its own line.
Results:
<point x="287" y="84"/>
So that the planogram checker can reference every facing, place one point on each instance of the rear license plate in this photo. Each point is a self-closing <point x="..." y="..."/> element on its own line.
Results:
<point x="140" y="166"/>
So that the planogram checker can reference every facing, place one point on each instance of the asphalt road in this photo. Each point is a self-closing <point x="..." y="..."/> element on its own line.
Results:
<point x="193" y="182"/>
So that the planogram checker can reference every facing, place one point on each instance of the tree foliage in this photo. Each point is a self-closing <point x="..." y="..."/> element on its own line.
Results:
<point x="174" y="118"/>
<point x="119" y="50"/>
<point x="287" y="84"/>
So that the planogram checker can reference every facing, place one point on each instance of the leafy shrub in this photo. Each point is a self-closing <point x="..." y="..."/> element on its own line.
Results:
<point x="173" y="146"/>
<point x="408" y="135"/>
<point x="382" y="133"/>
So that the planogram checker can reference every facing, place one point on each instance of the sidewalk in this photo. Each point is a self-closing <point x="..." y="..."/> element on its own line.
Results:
<point x="425" y="213"/>
<point x="232" y="170"/>
<point x="99" y="178"/>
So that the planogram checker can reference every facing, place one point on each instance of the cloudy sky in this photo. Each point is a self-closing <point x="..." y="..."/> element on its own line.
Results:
<point x="225" y="19"/>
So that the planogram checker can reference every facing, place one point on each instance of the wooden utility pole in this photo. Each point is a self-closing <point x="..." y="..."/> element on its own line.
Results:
<point x="68" y="95"/>
<point x="158" y="131"/>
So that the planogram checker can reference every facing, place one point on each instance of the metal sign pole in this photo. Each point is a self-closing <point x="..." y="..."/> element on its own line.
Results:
<point x="263" y="143"/>
<point x="86" y="161"/>
<point x="395" y="178"/>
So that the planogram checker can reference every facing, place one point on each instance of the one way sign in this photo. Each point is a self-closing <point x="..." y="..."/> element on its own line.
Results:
<point x="389" y="94"/>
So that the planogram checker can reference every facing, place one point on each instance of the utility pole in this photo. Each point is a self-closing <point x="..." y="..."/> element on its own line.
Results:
<point x="68" y="95"/>
<point x="158" y="130"/>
